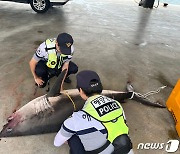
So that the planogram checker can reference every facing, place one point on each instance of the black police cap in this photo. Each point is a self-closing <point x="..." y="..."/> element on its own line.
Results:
<point x="87" y="79"/>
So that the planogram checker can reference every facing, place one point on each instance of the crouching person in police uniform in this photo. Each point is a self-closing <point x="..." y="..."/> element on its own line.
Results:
<point x="100" y="126"/>
<point x="52" y="57"/>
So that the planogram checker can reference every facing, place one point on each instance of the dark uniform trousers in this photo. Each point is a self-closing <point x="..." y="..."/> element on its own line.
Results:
<point x="46" y="73"/>
<point x="122" y="145"/>
<point x="75" y="145"/>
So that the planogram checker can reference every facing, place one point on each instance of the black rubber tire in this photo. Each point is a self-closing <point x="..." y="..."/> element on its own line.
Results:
<point x="40" y="6"/>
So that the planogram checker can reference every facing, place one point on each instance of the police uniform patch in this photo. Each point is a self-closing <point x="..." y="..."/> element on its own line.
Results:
<point x="104" y="105"/>
<point x="38" y="53"/>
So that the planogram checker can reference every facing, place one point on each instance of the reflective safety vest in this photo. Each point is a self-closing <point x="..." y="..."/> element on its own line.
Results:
<point x="109" y="112"/>
<point x="53" y="59"/>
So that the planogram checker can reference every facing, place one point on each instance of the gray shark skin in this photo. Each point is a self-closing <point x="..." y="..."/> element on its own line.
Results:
<point x="46" y="113"/>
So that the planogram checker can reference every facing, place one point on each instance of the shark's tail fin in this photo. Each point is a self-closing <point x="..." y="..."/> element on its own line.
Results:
<point x="129" y="87"/>
<point x="142" y="98"/>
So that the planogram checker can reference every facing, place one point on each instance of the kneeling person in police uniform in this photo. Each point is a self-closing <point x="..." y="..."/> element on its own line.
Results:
<point x="100" y="126"/>
<point x="52" y="57"/>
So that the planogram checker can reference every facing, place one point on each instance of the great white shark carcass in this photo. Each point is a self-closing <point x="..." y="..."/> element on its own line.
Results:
<point x="46" y="113"/>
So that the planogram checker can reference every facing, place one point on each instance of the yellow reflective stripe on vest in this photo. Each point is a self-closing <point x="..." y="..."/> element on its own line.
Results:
<point x="52" y="55"/>
<point x="109" y="112"/>
<point x="60" y="62"/>
<point x="116" y="129"/>
<point x="51" y="43"/>
<point x="52" y="59"/>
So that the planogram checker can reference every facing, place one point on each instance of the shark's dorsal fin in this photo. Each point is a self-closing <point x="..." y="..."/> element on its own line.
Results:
<point x="57" y="85"/>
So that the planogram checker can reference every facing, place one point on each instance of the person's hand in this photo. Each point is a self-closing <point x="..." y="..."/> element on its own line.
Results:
<point x="39" y="81"/>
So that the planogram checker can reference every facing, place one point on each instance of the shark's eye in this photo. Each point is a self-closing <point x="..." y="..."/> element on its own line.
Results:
<point x="9" y="130"/>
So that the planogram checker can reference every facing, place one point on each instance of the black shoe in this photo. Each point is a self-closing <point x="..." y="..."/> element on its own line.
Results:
<point x="67" y="80"/>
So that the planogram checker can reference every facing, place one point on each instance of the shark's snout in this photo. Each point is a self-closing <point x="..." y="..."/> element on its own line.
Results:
<point x="11" y="125"/>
